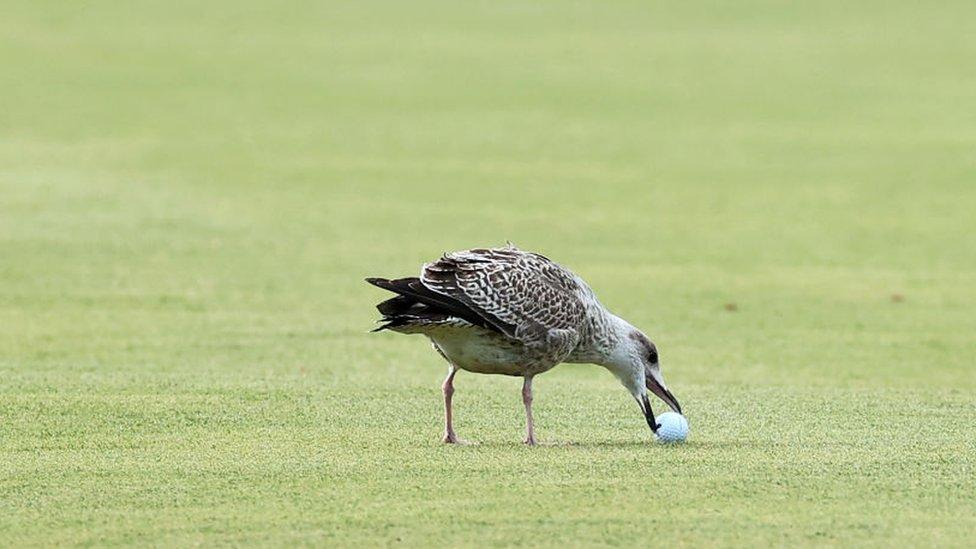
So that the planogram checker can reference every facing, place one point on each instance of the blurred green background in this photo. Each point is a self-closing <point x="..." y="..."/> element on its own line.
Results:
<point x="781" y="195"/>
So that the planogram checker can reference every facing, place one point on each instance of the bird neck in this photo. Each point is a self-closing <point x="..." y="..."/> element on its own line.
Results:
<point x="600" y="338"/>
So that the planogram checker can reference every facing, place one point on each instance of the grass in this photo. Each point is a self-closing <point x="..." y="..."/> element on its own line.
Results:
<point x="191" y="194"/>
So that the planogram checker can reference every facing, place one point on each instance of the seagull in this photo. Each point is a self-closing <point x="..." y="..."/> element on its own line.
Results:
<point x="511" y="312"/>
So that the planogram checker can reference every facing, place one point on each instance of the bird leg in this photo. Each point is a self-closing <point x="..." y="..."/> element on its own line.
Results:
<point x="448" y="388"/>
<point x="527" y="400"/>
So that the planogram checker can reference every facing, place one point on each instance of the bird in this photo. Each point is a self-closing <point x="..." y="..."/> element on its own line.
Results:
<point x="512" y="312"/>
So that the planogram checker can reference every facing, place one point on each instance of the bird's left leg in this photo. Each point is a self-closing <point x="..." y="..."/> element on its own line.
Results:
<point x="448" y="388"/>
<point x="527" y="400"/>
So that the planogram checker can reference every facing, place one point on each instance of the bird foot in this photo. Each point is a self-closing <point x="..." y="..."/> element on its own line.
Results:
<point x="451" y="438"/>
<point x="530" y="441"/>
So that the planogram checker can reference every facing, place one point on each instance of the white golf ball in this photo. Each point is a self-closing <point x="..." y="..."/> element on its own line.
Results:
<point x="673" y="427"/>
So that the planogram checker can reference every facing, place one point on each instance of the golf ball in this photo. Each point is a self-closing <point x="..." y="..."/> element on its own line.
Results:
<point x="673" y="427"/>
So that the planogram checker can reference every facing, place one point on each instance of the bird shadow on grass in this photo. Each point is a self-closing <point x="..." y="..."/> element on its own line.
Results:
<point x="621" y="444"/>
<point x="654" y="445"/>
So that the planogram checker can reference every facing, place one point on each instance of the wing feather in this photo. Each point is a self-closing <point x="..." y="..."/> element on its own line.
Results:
<point x="525" y="295"/>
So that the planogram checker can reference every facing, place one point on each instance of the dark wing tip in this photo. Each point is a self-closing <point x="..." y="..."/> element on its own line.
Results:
<point x="379" y="282"/>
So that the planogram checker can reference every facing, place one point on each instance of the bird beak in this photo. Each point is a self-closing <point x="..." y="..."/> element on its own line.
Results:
<point x="656" y="384"/>
<point x="649" y="414"/>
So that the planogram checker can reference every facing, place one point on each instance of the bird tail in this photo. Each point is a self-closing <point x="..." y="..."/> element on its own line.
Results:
<point x="417" y="304"/>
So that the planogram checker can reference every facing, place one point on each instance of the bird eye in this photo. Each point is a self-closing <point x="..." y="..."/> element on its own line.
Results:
<point x="652" y="356"/>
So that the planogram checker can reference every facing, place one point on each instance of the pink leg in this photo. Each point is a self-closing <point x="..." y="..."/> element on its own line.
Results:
<point x="448" y="388"/>
<point x="527" y="400"/>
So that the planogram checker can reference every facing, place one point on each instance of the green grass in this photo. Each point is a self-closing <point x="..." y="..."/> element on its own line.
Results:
<point x="191" y="194"/>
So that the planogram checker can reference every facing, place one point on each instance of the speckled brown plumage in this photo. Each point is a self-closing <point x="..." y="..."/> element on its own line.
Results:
<point x="512" y="312"/>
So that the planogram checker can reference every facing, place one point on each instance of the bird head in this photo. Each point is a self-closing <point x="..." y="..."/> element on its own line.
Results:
<point x="636" y="363"/>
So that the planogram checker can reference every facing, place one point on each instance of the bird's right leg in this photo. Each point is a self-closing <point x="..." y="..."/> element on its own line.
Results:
<point x="448" y="387"/>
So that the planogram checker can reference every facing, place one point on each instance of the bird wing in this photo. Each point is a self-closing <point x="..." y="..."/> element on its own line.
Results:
<point x="524" y="295"/>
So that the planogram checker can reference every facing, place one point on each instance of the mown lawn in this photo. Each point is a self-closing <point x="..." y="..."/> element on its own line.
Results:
<point x="781" y="196"/>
